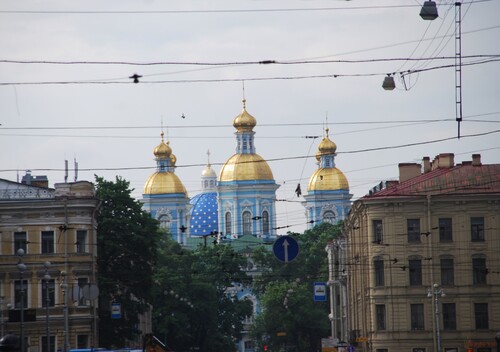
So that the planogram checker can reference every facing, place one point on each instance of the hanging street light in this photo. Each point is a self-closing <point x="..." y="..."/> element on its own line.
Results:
<point x="429" y="11"/>
<point x="388" y="83"/>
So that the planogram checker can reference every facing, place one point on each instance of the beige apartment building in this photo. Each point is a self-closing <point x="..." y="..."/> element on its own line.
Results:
<point x="55" y="225"/>
<point x="423" y="260"/>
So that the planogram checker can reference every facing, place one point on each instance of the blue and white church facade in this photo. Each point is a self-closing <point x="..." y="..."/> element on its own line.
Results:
<point x="328" y="198"/>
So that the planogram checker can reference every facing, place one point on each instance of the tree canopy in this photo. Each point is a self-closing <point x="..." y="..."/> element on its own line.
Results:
<point x="127" y="239"/>
<point x="193" y="307"/>
<point x="290" y="317"/>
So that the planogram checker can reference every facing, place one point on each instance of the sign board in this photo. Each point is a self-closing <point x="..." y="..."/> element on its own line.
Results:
<point x="286" y="249"/>
<point x="320" y="291"/>
<point x="116" y="310"/>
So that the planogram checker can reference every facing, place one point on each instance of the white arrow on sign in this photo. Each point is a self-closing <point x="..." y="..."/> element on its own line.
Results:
<point x="285" y="248"/>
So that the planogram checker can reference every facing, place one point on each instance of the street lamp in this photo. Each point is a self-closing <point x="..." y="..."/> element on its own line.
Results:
<point x="429" y="11"/>
<point x="388" y="83"/>
<point x="434" y="292"/>
<point x="46" y="280"/>
<point x="22" y="268"/>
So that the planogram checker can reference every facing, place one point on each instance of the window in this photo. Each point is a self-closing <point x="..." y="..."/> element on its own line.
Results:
<point x="447" y="272"/>
<point x="415" y="268"/>
<point x="378" y="235"/>
<point x="417" y="316"/>
<point x="82" y="341"/>
<point x="164" y="221"/>
<point x="477" y="229"/>
<point x="228" y="223"/>
<point x="247" y="225"/>
<point x="20" y="241"/>
<point x="378" y="265"/>
<point x="449" y="316"/>
<point x="81" y="241"/>
<point x="479" y="271"/>
<point x="481" y="315"/>
<point x="18" y="293"/>
<point x="413" y="229"/>
<point x="82" y="283"/>
<point x="445" y="230"/>
<point x="47" y="242"/>
<point x="380" y="316"/>
<point x="51" y="293"/>
<point x="265" y="222"/>
<point x="329" y="217"/>
<point x="52" y="344"/>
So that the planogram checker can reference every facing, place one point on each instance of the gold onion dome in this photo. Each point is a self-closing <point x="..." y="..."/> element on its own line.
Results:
<point x="328" y="179"/>
<point x="244" y="122"/>
<point x="326" y="147"/>
<point x="245" y="167"/>
<point x="164" y="183"/>
<point x="163" y="149"/>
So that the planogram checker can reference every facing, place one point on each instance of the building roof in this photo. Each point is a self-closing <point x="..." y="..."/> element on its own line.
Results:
<point x="465" y="178"/>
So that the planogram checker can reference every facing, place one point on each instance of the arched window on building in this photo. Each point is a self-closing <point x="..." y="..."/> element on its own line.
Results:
<point x="265" y="222"/>
<point x="247" y="224"/>
<point x="329" y="216"/>
<point x="228" y="223"/>
<point x="164" y="221"/>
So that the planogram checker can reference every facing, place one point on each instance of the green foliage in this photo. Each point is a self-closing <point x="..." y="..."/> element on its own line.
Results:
<point x="127" y="240"/>
<point x="192" y="306"/>
<point x="290" y="316"/>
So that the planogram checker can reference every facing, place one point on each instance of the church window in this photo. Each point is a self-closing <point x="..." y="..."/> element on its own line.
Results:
<point x="329" y="217"/>
<point x="265" y="222"/>
<point x="228" y="223"/>
<point x="164" y="221"/>
<point x="327" y="162"/>
<point x="247" y="225"/>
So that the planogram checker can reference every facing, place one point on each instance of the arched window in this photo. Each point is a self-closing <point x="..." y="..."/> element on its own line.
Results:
<point x="164" y="221"/>
<point x="228" y="223"/>
<point x="247" y="225"/>
<point x="265" y="222"/>
<point x="329" y="216"/>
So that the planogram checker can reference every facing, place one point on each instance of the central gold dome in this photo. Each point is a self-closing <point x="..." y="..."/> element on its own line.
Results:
<point x="328" y="179"/>
<point x="245" y="167"/>
<point x="164" y="183"/>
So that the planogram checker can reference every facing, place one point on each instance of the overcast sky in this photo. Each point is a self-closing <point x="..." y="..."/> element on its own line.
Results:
<point x="331" y="58"/>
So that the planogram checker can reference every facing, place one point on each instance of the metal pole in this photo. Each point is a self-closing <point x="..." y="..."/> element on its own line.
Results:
<point x="434" y="292"/>
<point x="1" y="309"/>
<point x="64" y="287"/>
<point x="47" y="278"/>
<point x="22" y="267"/>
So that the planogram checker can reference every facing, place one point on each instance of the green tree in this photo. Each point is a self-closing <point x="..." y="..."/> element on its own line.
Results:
<point x="193" y="307"/>
<point x="290" y="318"/>
<point x="127" y="239"/>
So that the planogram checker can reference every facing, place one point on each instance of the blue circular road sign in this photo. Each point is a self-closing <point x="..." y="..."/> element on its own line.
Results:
<point x="285" y="248"/>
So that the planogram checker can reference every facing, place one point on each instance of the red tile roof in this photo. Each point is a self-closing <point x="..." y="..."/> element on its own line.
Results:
<point x="460" y="179"/>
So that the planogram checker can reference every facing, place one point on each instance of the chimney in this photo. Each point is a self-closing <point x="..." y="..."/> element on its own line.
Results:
<point x="408" y="171"/>
<point x="476" y="159"/>
<point x="444" y="161"/>
<point x="426" y="163"/>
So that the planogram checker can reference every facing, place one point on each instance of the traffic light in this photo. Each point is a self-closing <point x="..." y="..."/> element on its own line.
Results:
<point x="265" y="347"/>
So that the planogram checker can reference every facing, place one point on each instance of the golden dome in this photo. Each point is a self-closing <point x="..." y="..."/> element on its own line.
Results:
<point x="328" y="179"/>
<point x="327" y="146"/>
<point x="208" y="172"/>
<point x="244" y="122"/>
<point x="245" y="167"/>
<point x="164" y="183"/>
<point x="163" y="149"/>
